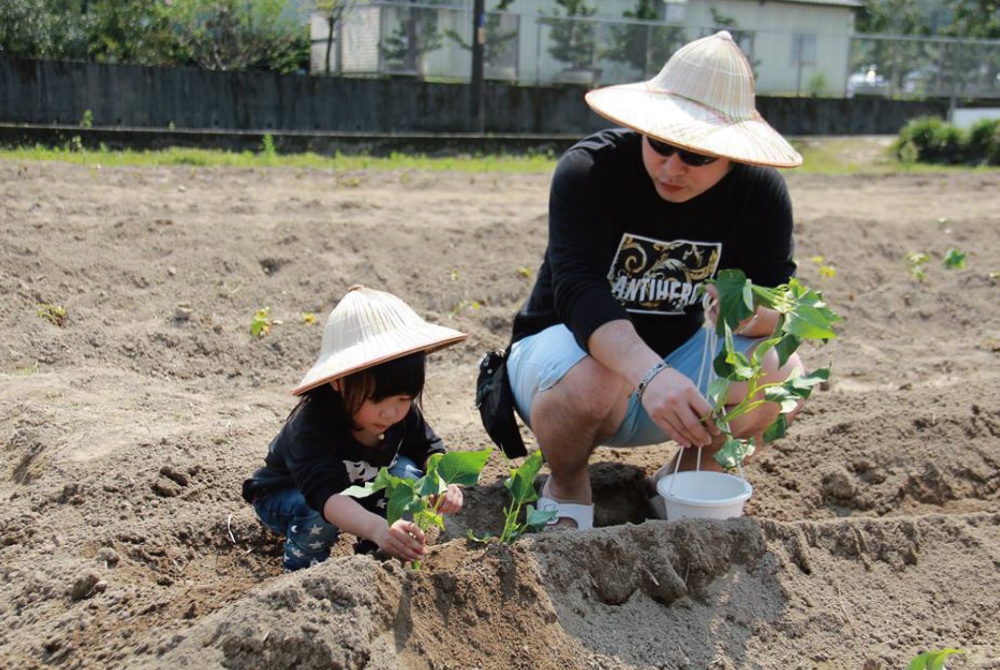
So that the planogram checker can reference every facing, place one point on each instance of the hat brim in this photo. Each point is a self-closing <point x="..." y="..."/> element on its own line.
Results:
<point x="690" y="125"/>
<point x="382" y="348"/>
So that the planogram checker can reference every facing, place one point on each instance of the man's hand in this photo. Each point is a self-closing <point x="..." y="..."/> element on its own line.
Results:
<point x="403" y="540"/>
<point x="675" y="404"/>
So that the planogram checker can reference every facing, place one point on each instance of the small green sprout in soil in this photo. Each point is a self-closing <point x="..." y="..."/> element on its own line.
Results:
<point x="915" y="262"/>
<point x="803" y="315"/>
<point x="932" y="660"/>
<point x="954" y="259"/>
<point x="52" y="313"/>
<point x="260" y="324"/>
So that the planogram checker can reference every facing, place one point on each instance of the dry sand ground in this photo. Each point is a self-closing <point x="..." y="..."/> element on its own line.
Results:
<point x="125" y="431"/>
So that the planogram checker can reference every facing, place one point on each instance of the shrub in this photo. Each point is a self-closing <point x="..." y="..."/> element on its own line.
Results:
<point x="984" y="136"/>
<point x="935" y="141"/>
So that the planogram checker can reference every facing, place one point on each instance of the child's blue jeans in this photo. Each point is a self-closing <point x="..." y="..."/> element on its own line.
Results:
<point x="308" y="537"/>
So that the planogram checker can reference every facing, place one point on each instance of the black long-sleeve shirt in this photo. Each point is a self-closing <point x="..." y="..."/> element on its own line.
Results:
<point x="316" y="453"/>
<point x="617" y="250"/>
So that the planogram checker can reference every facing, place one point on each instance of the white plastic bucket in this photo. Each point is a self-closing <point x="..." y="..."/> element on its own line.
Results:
<point x="700" y="494"/>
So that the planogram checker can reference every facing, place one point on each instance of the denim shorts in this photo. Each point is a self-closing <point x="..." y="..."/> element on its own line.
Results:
<point x="539" y="361"/>
<point x="308" y="536"/>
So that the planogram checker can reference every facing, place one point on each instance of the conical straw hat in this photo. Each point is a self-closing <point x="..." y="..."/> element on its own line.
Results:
<point x="702" y="100"/>
<point x="369" y="327"/>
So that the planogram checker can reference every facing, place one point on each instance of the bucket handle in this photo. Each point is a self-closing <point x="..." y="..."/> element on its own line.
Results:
<point x="709" y="345"/>
<point x="677" y="467"/>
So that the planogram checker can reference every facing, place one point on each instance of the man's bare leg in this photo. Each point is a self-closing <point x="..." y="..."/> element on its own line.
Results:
<point x="570" y="419"/>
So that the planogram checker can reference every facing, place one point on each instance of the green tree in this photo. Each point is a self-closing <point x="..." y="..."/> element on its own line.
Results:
<point x="978" y="19"/>
<point x="891" y="17"/>
<point x="333" y="13"/>
<point x="43" y="28"/>
<point x="129" y="31"/>
<point x="573" y="40"/>
<point x="240" y="35"/>
<point x="893" y="58"/>
<point x="976" y="64"/>
<point x="644" y="46"/>
<point x="498" y="47"/>
<point x="415" y="35"/>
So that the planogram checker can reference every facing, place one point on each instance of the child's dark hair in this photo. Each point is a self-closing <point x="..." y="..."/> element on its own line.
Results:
<point x="401" y="376"/>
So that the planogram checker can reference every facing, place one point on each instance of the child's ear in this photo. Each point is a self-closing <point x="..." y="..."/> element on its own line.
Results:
<point x="336" y="385"/>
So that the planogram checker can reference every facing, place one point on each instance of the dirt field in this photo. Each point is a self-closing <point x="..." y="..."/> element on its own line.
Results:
<point x="127" y="426"/>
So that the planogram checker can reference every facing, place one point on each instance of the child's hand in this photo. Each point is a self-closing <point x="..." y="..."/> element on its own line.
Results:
<point x="403" y="540"/>
<point x="452" y="500"/>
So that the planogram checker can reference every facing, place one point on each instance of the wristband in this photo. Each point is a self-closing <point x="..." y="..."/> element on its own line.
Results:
<point x="653" y="371"/>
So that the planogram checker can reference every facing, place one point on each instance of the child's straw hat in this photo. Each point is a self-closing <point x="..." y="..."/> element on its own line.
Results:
<point x="702" y="100"/>
<point x="368" y="327"/>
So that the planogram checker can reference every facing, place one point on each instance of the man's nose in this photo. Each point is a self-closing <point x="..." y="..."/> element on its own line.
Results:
<point x="673" y="165"/>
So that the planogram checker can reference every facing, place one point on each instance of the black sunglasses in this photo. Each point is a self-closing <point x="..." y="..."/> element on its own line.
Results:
<point x="687" y="157"/>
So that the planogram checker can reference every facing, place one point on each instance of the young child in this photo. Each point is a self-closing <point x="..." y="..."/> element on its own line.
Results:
<point x="359" y="411"/>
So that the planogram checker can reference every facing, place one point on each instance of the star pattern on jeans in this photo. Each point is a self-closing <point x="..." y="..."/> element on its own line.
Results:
<point x="315" y="530"/>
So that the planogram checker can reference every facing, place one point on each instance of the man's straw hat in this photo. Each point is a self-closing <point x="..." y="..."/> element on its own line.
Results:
<point x="368" y="327"/>
<point x="702" y="100"/>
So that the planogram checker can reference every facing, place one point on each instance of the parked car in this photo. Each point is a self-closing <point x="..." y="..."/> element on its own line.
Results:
<point x="867" y="81"/>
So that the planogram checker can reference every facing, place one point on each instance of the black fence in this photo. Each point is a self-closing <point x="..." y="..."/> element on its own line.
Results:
<point x="199" y="104"/>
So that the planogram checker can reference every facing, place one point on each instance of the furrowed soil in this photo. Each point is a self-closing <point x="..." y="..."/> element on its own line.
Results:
<point x="128" y="422"/>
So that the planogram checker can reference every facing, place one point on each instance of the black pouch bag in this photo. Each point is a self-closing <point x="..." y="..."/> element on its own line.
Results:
<point x="495" y="402"/>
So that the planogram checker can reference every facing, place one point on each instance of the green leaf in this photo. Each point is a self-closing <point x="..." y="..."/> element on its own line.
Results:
<point x="932" y="660"/>
<point x="462" y="467"/>
<point x="732" y="453"/>
<point x="383" y="480"/>
<point x="521" y="482"/>
<point x="786" y="400"/>
<point x="486" y="537"/>
<point x="810" y="323"/>
<point x="787" y="346"/>
<point x="402" y="499"/>
<point x="776" y="430"/>
<point x="425" y="518"/>
<point x="735" y="299"/>
<point x="430" y="484"/>
<point x="802" y="385"/>
<point x="954" y="259"/>
<point x="536" y="519"/>
<point x="718" y="389"/>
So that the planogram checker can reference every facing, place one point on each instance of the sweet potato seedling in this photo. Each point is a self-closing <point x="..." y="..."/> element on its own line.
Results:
<point x="802" y="316"/>
<point x="932" y="660"/>
<point x="521" y="484"/>
<point x="260" y="324"/>
<point x="421" y="498"/>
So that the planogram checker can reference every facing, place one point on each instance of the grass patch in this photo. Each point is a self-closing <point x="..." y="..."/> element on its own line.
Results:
<point x="529" y="163"/>
<point x="833" y="156"/>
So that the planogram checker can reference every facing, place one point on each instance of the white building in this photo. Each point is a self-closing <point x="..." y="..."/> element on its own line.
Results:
<point x="797" y="47"/>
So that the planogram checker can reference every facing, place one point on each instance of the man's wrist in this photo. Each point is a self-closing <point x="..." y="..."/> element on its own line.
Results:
<point x="648" y="377"/>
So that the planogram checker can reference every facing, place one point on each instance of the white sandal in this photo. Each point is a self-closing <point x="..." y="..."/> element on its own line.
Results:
<point x="582" y="515"/>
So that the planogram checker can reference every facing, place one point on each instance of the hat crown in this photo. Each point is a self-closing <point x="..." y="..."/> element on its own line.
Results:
<point x="363" y="314"/>
<point x="713" y="72"/>
<point x="369" y="327"/>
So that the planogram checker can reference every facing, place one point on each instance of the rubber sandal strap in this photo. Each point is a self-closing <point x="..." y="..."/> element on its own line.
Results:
<point x="583" y="515"/>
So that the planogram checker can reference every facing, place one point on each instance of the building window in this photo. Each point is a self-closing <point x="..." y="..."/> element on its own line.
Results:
<point x="674" y="11"/>
<point x="803" y="49"/>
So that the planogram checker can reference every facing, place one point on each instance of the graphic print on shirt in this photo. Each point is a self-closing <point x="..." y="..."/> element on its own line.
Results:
<point x="659" y="277"/>
<point x="360" y="471"/>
